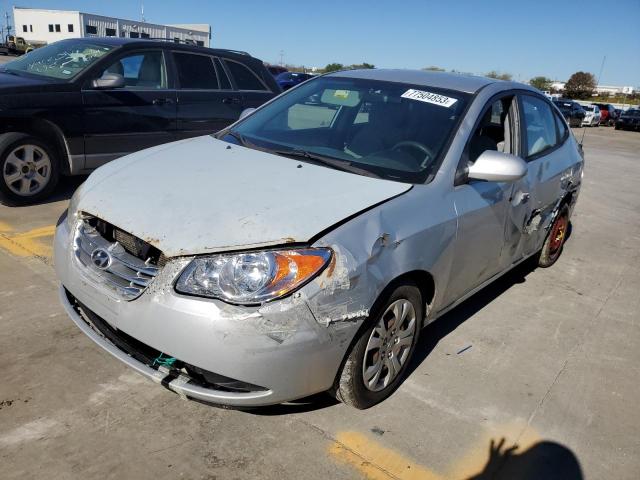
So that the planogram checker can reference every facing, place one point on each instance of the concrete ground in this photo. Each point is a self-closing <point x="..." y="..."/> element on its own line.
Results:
<point x="545" y="360"/>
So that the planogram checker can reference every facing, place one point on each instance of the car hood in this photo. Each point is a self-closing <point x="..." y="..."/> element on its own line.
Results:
<point x="204" y="195"/>
<point x="8" y="80"/>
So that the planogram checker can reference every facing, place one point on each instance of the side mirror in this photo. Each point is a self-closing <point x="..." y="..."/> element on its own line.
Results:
<point x="494" y="166"/>
<point x="246" y="112"/>
<point x="108" y="81"/>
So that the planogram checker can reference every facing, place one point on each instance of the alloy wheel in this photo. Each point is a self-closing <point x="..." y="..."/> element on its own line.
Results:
<point x="389" y="345"/>
<point x="27" y="170"/>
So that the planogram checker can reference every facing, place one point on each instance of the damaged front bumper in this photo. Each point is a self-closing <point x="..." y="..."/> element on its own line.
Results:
<point x="220" y="353"/>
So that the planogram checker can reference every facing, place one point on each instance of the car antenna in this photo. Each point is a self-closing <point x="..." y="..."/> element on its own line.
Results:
<point x="584" y="128"/>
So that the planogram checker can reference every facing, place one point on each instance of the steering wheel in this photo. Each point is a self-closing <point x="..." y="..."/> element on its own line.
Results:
<point x="428" y="154"/>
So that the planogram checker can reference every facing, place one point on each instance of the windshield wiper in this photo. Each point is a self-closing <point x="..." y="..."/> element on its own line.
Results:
<point x="342" y="165"/>
<point x="236" y="135"/>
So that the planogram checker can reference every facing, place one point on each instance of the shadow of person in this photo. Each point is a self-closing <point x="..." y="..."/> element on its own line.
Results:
<point x="544" y="460"/>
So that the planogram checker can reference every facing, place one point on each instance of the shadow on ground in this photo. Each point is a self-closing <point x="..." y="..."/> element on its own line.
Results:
<point x="64" y="190"/>
<point x="544" y="460"/>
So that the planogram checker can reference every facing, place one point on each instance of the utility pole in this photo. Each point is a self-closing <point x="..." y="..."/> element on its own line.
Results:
<point x="6" y="17"/>
<point x="282" y="58"/>
<point x="142" y="12"/>
<point x="600" y="74"/>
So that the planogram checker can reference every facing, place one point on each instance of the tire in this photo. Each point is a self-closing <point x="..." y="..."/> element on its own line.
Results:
<point x="41" y="166"/>
<point x="616" y="126"/>
<point x="554" y="243"/>
<point x="350" y="387"/>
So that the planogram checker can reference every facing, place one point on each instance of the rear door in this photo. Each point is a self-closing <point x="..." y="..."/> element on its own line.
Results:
<point x="551" y="164"/>
<point x="207" y="101"/>
<point x="254" y="91"/>
<point x="140" y="115"/>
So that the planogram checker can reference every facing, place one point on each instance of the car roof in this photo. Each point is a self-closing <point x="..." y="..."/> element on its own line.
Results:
<point x="143" y="42"/>
<point x="453" y="81"/>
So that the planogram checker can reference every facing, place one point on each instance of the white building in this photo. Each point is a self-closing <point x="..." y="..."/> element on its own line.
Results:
<point x="46" y="26"/>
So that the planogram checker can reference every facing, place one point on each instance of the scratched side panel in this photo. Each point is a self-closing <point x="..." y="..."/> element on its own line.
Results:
<point x="415" y="231"/>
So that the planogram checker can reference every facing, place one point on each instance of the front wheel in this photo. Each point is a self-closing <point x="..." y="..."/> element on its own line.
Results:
<point x="552" y="247"/>
<point x="377" y="362"/>
<point x="29" y="169"/>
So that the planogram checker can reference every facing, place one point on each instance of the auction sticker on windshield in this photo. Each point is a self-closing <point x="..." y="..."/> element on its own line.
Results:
<point x="429" y="97"/>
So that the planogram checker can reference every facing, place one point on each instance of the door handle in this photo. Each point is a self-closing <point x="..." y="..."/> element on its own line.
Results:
<point x="162" y="101"/>
<point x="230" y="100"/>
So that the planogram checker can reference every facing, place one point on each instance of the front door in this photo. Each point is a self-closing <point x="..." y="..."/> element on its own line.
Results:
<point x="142" y="114"/>
<point x="483" y="207"/>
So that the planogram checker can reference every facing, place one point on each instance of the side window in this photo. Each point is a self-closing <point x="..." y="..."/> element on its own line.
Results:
<point x="196" y="71"/>
<point x="245" y="78"/>
<point x="141" y="70"/>
<point x="493" y="131"/>
<point x="225" y="84"/>
<point x="540" y="125"/>
<point x="562" y="128"/>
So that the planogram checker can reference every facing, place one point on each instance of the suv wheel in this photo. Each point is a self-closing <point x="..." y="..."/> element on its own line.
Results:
<point x="29" y="169"/>
<point x="377" y="362"/>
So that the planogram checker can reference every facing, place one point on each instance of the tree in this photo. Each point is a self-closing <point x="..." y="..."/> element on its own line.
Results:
<point x="360" y="66"/>
<point x="433" y="68"/>
<point x="499" y="76"/>
<point x="541" y="83"/>
<point x="580" y="85"/>
<point x="334" y="67"/>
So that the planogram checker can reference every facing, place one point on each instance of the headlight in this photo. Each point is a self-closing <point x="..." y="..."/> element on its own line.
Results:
<point x="252" y="277"/>
<point x="72" y="209"/>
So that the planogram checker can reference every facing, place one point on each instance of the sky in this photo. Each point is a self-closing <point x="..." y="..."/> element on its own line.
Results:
<point x="524" y="38"/>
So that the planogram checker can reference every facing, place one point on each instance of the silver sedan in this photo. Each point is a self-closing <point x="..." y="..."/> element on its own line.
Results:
<point x="303" y="248"/>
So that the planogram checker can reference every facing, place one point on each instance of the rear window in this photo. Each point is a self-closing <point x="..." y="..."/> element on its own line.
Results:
<point x="245" y="78"/>
<point x="196" y="71"/>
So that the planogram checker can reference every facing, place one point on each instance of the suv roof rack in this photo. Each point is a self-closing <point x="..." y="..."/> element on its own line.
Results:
<point x="193" y="44"/>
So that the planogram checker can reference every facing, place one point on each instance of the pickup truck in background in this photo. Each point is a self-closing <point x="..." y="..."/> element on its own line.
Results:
<point x="13" y="45"/>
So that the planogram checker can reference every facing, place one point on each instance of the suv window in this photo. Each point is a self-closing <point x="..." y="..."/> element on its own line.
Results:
<point x="196" y="71"/>
<point x="245" y="78"/>
<point x="141" y="70"/>
<point x="541" y="128"/>
<point x="225" y="84"/>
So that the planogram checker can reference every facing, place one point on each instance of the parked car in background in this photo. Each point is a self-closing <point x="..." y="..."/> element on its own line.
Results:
<point x="69" y="107"/>
<point x="608" y="114"/>
<point x="287" y="80"/>
<point x="592" y="115"/>
<point x="276" y="70"/>
<point x="303" y="248"/>
<point x="629" y="120"/>
<point x="571" y="111"/>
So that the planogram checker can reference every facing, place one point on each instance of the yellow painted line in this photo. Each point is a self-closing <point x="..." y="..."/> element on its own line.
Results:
<point x="47" y="231"/>
<point x="27" y="244"/>
<point x="376" y="462"/>
<point x="5" y="227"/>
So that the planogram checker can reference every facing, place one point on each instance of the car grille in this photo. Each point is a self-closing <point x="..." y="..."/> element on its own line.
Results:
<point x="124" y="264"/>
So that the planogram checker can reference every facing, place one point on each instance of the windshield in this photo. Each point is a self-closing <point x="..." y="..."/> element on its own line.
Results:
<point x="384" y="129"/>
<point x="60" y="60"/>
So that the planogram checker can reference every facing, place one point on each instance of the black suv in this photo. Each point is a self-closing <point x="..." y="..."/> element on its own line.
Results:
<point x="629" y="120"/>
<point x="74" y="105"/>
<point x="571" y="111"/>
